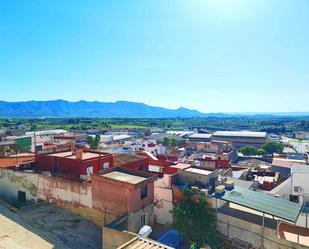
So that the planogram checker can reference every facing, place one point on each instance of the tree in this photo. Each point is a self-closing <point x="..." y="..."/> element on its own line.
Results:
<point x="173" y="143"/>
<point x="195" y="220"/>
<point x="167" y="142"/>
<point x="248" y="150"/>
<point x="93" y="142"/>
<point x="260" y="152"/>
<point x="272" y="147"/>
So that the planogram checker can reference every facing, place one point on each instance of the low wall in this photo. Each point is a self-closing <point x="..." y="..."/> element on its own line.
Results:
<point x="113" y="238"/>
<point x="40" y="187"/>
<point x="254" y="234"/>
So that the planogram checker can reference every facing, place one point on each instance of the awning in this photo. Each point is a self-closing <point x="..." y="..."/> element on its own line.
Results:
<point x="261" y="202"/>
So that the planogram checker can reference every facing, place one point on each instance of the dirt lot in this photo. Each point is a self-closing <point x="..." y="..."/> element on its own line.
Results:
<point x="46" y="226"/>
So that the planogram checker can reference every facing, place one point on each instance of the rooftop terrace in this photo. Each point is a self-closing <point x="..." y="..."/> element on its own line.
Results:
<point x="124" y="177"/>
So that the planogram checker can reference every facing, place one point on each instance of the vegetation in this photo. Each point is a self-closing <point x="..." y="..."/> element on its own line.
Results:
<point x="93" y="142"/>
<point x="249" y="151"/>
<point x="195" y="220"/>
<point x="270" y="124"/>
<point x="267" y="148"/>
<point x="170" y="143"/>
<point x="272" y="147"/>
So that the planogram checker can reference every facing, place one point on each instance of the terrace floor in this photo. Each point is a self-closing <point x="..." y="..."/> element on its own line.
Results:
<point x="46" y="227"/>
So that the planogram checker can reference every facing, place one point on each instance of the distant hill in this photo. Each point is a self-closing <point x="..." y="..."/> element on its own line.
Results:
<point x="62" y="108"/>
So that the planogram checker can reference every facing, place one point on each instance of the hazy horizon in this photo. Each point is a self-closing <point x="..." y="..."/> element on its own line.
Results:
<point x="214" y="56"/>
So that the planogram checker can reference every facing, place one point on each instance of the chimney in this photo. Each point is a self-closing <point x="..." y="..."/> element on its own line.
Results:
<point x="79" y="154"/>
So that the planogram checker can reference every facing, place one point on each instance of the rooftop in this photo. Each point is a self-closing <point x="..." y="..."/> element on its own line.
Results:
<point x="46" y="132"/>
<point x="240" y="134"/>
<point x="126" y="158"/>
<point x="8" y="162"/>
<point x="287" y="163"/>
<point x="143" y="243"/>
<point x="181" y="166"/>
<point x="124" y="177"/>
<point x="200" y="135"/>
<point x="199" y="171"/>
<point x="69" y="154"/>
<point x="240" y="183"/>
<point x="264" y="203"/>
<point x="121" y="137"/>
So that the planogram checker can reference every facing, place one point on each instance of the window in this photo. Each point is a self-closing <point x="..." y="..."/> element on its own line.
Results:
<point x="143" y="220"/>
<point x="89" y="170"/>
<point x="105" y="165"/>
<point x="144" y="192"/>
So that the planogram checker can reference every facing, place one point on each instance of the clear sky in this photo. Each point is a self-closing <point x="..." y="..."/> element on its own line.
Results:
<point x="210" y="55"/>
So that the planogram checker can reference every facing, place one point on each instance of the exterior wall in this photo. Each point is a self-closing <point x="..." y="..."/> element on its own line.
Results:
<point x="207" y="147"/>
<point x="134" y="218"/>
<point x="208" y="164"/>
<point x="163" y="200"/>
<point x="71" y="166"/>
<point x="283" y="190"/>
<point x="193" y="178"/>
<point x="137" y="165"/>
<point x="236" y="228"/>
<point x="229" y="156"/>
<point x="110" y="194"/>
<point x="37" y="186"/>
<point x="284" y="172"/>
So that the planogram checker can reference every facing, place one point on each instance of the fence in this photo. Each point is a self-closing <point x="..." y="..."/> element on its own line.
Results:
<point x="254" y="234"/>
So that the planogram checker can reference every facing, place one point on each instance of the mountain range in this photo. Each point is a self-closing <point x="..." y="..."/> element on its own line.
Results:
<point x="120" y="109"/>
<point x="63" y="108"/>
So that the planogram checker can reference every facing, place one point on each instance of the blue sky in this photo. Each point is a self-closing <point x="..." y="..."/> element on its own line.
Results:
<point x="210" y="55"/>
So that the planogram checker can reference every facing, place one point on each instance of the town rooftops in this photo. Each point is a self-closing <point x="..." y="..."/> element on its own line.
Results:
<point x="252" y="134"/>
<point x="143" y="243"/>
<point x="199" y="171"/>
<point x="261" y="202"/>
